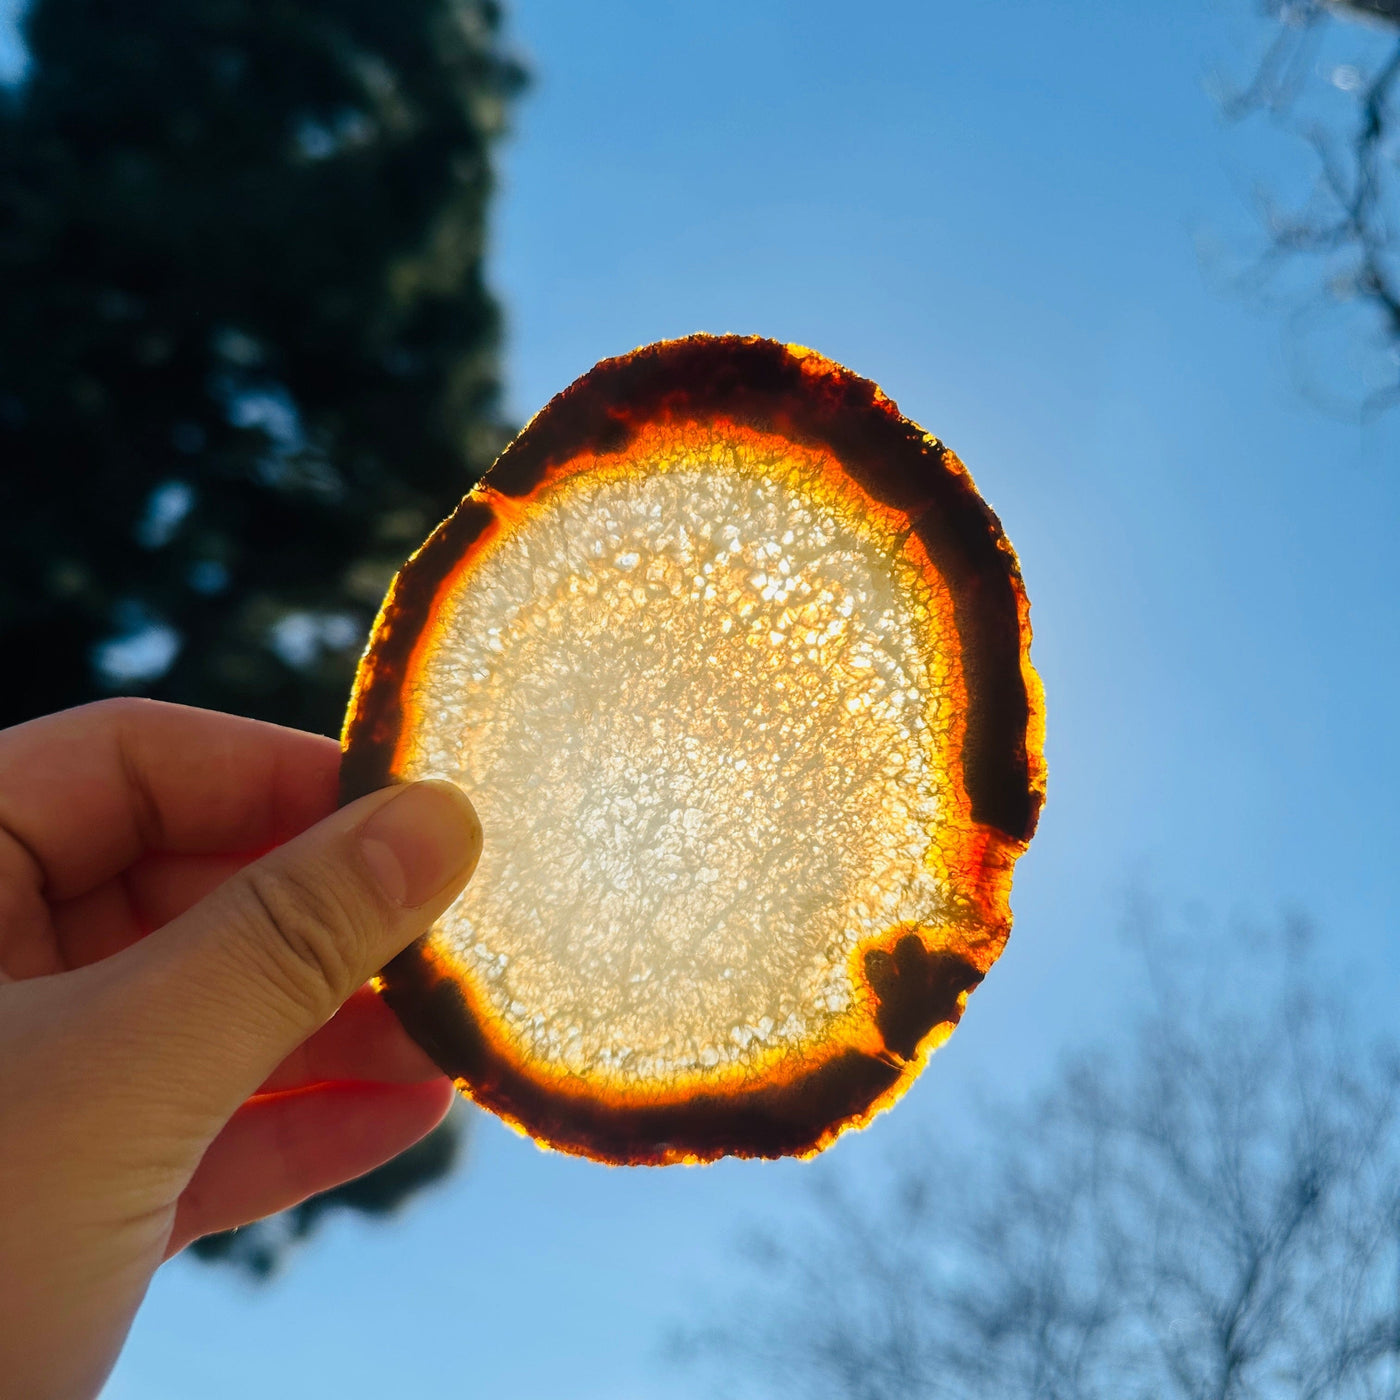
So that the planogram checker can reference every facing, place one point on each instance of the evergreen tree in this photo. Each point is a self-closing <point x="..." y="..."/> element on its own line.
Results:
<point x="247" y="355"/>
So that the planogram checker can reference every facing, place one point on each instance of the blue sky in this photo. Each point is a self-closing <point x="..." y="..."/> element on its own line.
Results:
<point x="996" y="211"/>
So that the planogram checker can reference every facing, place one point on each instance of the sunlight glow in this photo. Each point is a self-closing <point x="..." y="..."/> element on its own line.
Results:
<point x="708" y="696"/>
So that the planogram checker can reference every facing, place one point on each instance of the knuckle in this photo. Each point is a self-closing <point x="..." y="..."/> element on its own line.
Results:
<point x="311" y="939"/>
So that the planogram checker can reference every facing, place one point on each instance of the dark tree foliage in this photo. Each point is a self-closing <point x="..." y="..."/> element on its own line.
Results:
<point x="260" y="1249"/>
<point x="247" y="356"/>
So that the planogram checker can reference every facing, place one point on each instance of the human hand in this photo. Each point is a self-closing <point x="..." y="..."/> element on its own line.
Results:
<point x="172" y="1060"/>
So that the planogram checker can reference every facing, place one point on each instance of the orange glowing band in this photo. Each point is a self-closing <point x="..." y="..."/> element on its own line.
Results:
<point x="734" y="663"/>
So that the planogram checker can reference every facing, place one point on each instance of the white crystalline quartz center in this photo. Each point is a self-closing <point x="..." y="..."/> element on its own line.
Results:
<point x="694" y="711"/>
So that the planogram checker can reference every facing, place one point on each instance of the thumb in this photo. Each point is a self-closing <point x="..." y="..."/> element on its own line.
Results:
<point x="225" y="992"/>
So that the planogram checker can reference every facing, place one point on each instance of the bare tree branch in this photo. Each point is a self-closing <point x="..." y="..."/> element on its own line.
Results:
<point x="1345" y="228"/>
<point x="1215" y="1216"/>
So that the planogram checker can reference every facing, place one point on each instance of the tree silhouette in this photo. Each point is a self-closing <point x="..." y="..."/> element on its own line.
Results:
<point x="247" y="353"/>
<point x="247" y="357"/>
<point x="1330" y="74"/>
<point x="260" y="1249"/>
<point x="1213" y="1215"/>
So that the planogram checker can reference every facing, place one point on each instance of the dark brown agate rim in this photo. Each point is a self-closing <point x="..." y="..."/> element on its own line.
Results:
<point x="771" y="388"/>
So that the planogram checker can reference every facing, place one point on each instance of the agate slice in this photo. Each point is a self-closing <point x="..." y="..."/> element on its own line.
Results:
<point x="734" y="663"/>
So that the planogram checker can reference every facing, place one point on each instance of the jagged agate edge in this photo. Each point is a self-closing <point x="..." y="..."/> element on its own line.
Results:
<point x="919" y="995"/>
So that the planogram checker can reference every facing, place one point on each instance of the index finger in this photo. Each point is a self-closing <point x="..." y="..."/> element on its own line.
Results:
<point x="88" y="791"/>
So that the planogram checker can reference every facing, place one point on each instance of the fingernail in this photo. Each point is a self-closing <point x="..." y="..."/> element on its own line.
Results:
<point x="425" y="839"/>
